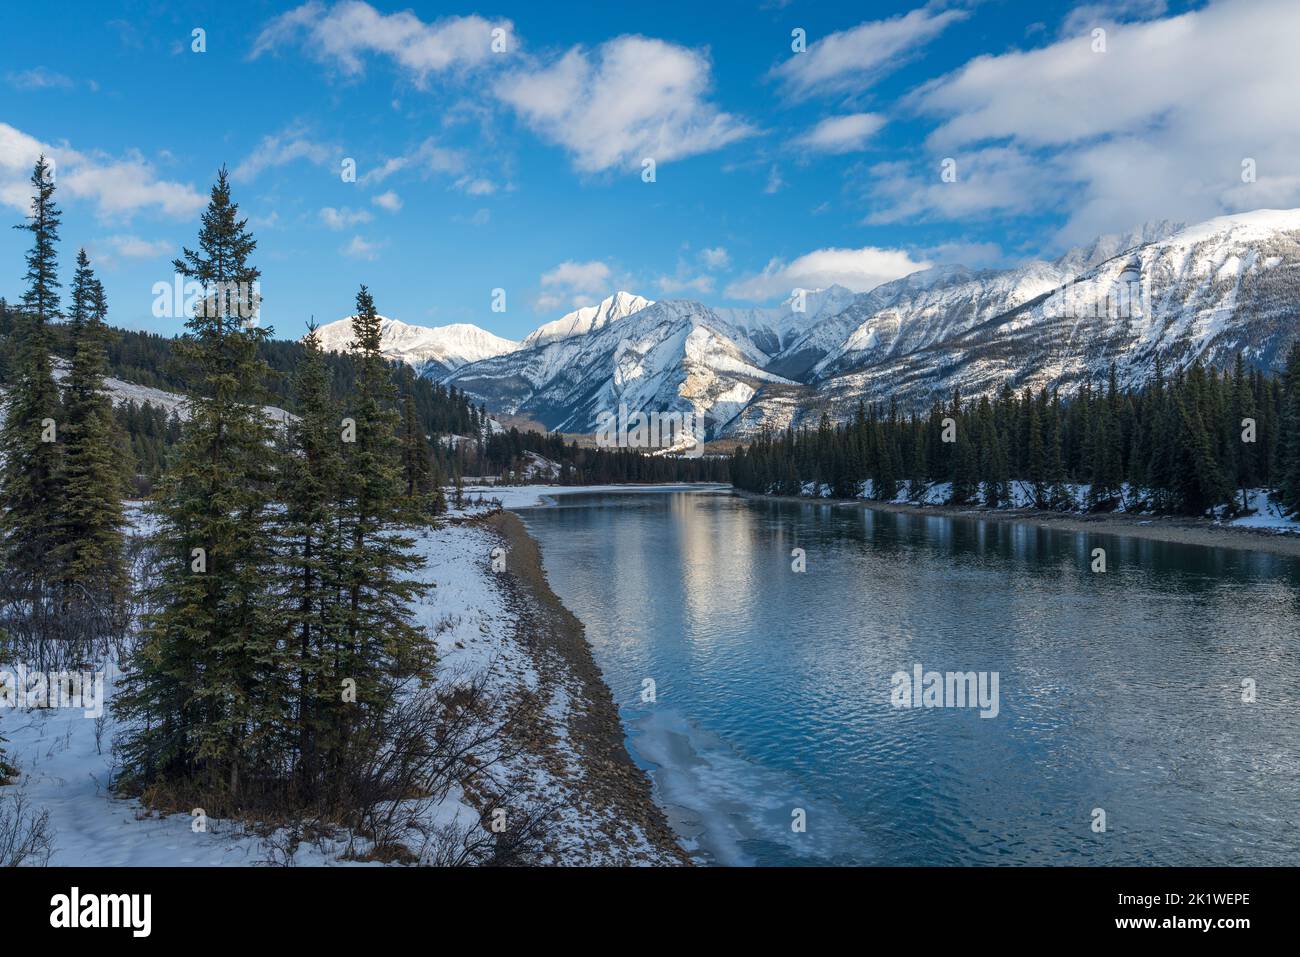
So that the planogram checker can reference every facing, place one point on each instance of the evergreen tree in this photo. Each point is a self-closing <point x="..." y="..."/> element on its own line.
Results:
<point x="415" y="455"/>
<point x="378" y="638"/>
<point x="205" y="695"/>
<point x="90" y="552"/>
<point x="310" y="490"/>
<point x="1290" y="447"/>
<point x="31" y="477"/>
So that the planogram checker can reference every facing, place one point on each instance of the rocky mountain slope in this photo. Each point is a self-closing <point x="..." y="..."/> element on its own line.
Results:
<point x="1161" y="291"/>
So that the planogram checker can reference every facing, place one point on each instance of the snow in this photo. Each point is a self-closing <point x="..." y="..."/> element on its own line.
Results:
<point x="449" y="346"/>
<point x="1265" y="513"/>
<point x="584" y="320"/>
<point x="529" y="496"/>
<point x="66" y="761"/>
<point x="121" y="392"/>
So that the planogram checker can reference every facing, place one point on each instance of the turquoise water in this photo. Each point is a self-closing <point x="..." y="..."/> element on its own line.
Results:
<point x="772" y="688"/>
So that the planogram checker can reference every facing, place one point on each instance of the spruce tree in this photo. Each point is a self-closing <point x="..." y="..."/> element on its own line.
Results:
<point x="31" y="477"/>
<point x="378" y="639"/>
<point x="90" y="554"/>
<point x="205" y="694"/>
<point x="1289" y="447"/>
<point x="415" y="456"/>
<point x="310" y="491"/>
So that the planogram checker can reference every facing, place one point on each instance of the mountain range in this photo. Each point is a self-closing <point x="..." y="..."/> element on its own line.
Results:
<point x="1164" y="291"/>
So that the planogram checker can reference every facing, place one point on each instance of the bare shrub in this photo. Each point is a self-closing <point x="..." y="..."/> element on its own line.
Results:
<point x="434" y="738"/>
<point x="25" y="835"/>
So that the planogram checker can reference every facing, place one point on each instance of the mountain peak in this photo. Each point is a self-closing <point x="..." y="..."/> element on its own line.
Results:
<point x="1080" y="259"/>
<point x="620" y="305"/>
<point x="449" y="346"/>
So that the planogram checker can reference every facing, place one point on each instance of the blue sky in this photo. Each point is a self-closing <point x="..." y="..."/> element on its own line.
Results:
<point x="522" y="168"/>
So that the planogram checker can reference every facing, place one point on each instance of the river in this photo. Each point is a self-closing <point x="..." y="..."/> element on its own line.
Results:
<point x="771" y="705"/>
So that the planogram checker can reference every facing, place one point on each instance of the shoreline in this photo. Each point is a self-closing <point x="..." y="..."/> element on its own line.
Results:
<point x="1175" y="529"/>
<point x="556" y="641"/>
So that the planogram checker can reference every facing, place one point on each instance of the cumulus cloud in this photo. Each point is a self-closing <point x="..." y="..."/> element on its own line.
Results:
<point x="574" y="284"/>
<point x="105" y="253"/>
<point x="851" y="60"/>
<point x="1156" y="127"/>
<point x="631" y="98"/>
<point x="117" y="186"/>
<point x="133" y="247"/>
<point x="676" y="285"/>
<point x="343" y="218"/>
<point x="998" y="179"/>
<point x="857" y="269"/>
<point x="715" y="257"/>
<point x="389" y="201"/>
<point x="361" y="248"/>
<point x="344" y="33"/>
<point x="842" y="134"/>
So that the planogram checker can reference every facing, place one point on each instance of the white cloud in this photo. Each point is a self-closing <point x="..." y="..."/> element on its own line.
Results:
<point x="1156" y="127"/>
<point x="674" y="285"/>
<point x="118" y="187"/>
<point x="280" y="149"/>
<point x="842" y="134"/>
<point x="344" y="33"/>
<point x="574" y="283"/>
<point x="1086" y="17"/>
<point x="106" y="252"/>
<point x="631" y="98"/>
<point x="476" y="185"/>
<point x="426" y="159"/>
<point x="774" y="181"/>
<point x="998" y="179"/>
<point x="851" y="60"/>
<point x="480" y="217"/>
<point x="715" y="257"/>
<point x="389" y="201"/>
<point x="133" y="247"/>
<point x="359" y="248"/>
<point x="38" y="78"/>
<point x="857" y="269"/>
<point x="344" y="217"/>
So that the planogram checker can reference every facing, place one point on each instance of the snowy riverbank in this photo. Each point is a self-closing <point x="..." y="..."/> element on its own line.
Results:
<point x="1266" y="528"/>
<point x="503" y="625"/>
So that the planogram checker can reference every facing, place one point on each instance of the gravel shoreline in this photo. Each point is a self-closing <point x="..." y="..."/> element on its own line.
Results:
<point x="1182" y="530"/>
<point x="557" y="643"/>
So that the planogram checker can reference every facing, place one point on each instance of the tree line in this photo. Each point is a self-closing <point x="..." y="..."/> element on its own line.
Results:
<point x="1185" y="443"/>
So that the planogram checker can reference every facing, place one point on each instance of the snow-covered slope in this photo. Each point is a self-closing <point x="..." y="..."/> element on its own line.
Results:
<point x="584" y="320"/>
<point x="1161" y="290"/>
<point x="1208" y="291"/>
<point x="673" y="356"/>
<point x="432" y="350"/>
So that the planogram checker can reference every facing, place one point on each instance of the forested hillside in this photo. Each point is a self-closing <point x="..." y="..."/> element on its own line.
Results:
<point x="150" y="430"/>
<point x="1185" y="444"/>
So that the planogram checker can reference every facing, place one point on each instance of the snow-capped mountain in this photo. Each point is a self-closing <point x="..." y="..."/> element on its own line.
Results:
<point x="672" y="356"/>
<point x="1208" y="291"/>
<point x="433" y="350"/>
<point x="1160" y="291"/>
<point x="584" y="320"/>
